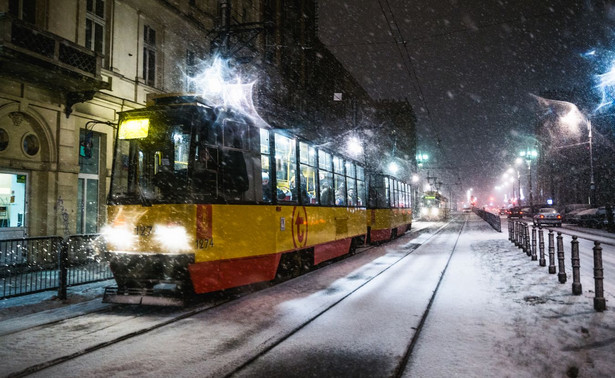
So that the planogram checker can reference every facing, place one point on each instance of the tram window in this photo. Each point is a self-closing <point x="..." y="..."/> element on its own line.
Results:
<point x="324" y="160"/>
<point x="360" y="193"/>
<point x="327" y="195"/>
<point x="350" y="170"/>
<point x="307" y="154"/>
<point x="308" y="184"/>
<point x="387" y="192"/>
<point x="286" y="162"/>
<point x="264" y="141"/>
<point x="338" y="165"/>
<point x="360" y="186"/>
<point x="340" y="190"/>
<point x="352" y="192"/>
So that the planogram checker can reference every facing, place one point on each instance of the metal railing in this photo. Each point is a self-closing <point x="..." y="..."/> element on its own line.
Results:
<point x="493" y="219"/>
<point x="34" y="264"/>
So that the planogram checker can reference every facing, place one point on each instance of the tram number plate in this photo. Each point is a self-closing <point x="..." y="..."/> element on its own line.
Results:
<point x="141" y="230"/>
<point x="204" y="243"/>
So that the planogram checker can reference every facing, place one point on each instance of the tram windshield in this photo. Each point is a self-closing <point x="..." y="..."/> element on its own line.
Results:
<point x="152" y="158"/>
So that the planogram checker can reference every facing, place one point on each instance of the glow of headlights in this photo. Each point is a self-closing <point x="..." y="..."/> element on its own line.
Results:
<point x="172" y="238"/>
<point x="424" y="211"/>
<point x="121" y="238"/>
<point x="435" y="211"/>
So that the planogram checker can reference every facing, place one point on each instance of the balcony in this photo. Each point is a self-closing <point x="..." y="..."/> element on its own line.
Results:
<point x="47" y="60"/>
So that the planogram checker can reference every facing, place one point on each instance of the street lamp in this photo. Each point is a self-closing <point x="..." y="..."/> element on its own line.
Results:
<point x="572" y="119"/>
<point x="529" y="155"/>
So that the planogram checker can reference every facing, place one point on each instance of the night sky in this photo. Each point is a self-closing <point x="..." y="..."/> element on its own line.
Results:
<point x="468" y="69"/>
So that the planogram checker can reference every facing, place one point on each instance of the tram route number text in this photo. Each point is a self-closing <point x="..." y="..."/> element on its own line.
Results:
<point x="204" y="243"/>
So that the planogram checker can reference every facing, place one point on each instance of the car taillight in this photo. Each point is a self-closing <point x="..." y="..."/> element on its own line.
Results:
<point x="542" y="216"/>
<point x="559" y="217"/>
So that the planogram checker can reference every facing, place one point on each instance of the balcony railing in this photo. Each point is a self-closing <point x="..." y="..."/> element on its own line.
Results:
<point x="22" y="43"/>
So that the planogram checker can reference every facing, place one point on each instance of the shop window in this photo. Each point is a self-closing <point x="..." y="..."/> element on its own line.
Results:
<point x="12" y="200"/>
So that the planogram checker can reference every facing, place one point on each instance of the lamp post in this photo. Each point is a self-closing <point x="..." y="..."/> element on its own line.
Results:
<point x="592" y="183"/>
<point x="529" y="155"/>
<point x="572" y="119"/>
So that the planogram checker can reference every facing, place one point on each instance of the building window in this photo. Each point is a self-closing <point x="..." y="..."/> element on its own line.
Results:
<point x="88" y="180"/>
<point x="23" y="9"/>
<point x="149" y="55"/>
<point x="12" y="200"/>
<point x="31" y="145"/>
<point x="95" y="26"/>
<point x="190" y="71"/>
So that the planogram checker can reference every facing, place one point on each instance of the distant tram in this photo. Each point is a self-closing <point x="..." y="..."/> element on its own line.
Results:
<point x="434" y="206"/>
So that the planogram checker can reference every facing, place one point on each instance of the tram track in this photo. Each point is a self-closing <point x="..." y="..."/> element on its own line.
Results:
<point x="38" y="367"/>
<point x="410" y="247"/>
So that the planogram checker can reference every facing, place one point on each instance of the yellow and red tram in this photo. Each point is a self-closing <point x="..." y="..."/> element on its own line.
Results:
<point x="202" y="200"/>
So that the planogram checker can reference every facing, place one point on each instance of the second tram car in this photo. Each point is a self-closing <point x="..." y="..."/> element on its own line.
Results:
<point x="202" y="200"/>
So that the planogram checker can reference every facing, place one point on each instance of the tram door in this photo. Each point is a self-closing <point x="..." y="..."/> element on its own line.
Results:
<point x="12" y="205"/>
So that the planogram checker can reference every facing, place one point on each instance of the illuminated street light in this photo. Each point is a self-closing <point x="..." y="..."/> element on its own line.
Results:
<point x="529" y="154"/>
<point x="393" y="167"/>
<point x="572" y="120"/>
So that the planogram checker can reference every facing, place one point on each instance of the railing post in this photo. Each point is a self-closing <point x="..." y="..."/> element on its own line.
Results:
<point x="534" y="257"/>
<point x="551" y="253"/>
<point x="510" y="234"/>
<point x="576" y="267"/>
<point x="527" y="249"/>
<point x="541" y="247"/>
<point x="516" y="232"/>
<point x="561" y="275"/>
<point x="63" y="269"/>
<point x="599" y="301"/>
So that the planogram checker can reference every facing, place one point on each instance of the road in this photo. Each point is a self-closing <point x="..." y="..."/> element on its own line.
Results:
<point x="360" y="316"/>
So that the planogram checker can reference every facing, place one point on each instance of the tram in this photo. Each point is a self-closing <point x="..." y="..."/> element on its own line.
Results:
<point x="434" y="206"/>
<point x="203" y="199"/>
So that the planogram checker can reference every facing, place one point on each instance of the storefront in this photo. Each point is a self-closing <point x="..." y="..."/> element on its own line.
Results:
<point x="13" y="204"/>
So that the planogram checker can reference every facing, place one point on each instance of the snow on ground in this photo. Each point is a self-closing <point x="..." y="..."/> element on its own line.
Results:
<point x="497" y="313"/>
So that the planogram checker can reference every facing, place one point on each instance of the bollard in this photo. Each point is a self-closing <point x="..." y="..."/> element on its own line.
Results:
<point x="560" y="258"/>
<point x="528" y="250"/>
<point x="599" y="301"/>
<point x="541" y="247"/>
<point x="534" y="258"/>
<point x="518" y="234"/>
<point x="509" y="231"/>
<point x="576" y="265"/>
<point x="515" y="236"/>
<point x="551" y="253"/>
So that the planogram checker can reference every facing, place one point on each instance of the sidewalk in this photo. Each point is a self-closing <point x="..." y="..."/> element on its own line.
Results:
<point x="498" y="313"/>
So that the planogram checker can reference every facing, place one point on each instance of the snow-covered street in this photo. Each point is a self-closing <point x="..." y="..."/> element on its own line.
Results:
<point x="455" y="301"/>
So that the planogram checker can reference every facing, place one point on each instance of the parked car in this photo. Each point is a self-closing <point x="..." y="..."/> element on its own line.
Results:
<point x="573" y="216"/>
<point x="591" y="217"/>
<point x="527" y="211"/>
<point x="503" y="211"/>
<point x="547" y="215"/>
<point x="515" y="212"/>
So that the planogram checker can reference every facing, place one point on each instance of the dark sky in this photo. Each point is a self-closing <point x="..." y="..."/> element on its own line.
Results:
<point x="468" y="68"/>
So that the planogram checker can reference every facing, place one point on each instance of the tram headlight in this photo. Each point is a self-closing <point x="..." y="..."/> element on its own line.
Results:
<point x="424" y="211"/>
<point x="172" y="238"/>
<point x="119" y="237"/>
<point x="435" y="211"/>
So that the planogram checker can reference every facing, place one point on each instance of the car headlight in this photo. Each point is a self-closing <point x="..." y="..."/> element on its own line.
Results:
<point x="172" y="238"/>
